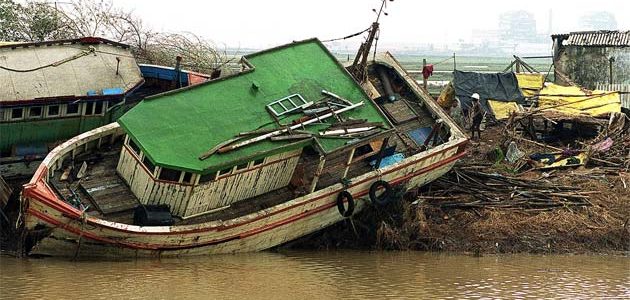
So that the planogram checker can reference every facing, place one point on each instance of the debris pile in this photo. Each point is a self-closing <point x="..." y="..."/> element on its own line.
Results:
<point x="465" y="188"/>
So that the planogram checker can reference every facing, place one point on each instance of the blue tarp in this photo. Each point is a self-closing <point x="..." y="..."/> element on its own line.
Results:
<point x="389" y="160"/>
<point x="419" y="135"/>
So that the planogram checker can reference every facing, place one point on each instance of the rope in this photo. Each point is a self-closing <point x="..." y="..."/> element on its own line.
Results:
<point x="443" y="61"/>
<point x="347" y="37"/>
<point x="55" y="64"/>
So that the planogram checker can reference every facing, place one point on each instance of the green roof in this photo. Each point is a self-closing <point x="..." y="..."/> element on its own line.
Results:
<point x="175" y="128"/>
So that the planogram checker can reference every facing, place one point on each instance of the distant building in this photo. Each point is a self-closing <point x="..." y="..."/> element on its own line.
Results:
<point x="593" y="59"/>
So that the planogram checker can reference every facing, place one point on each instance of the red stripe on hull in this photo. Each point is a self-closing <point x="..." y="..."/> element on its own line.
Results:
<point x="147" y="246"/>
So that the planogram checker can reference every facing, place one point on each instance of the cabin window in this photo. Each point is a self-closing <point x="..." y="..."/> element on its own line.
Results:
<point x="169" y="174"/>
<point x="242" y="166"/>
<point x="208" y="177"/>
<point x="258" y="162"/>
<point x="187" y="177"/>
<point x="98" y="108"/>
<point x="1" y="114"/>
<point x="363" y="150"/>
<point x="225" y="171"/>
<point x="147" y="163"/>
<point x="53" y="110"/>
<point x="89" y="108"/>
<point x="17" y="113"/>
<point x="35" y="112"/>
<point x="134" y="147"/>
<point x="72" y="109"/>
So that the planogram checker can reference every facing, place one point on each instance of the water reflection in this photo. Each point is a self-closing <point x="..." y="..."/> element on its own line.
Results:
<point x="321" y="275"/>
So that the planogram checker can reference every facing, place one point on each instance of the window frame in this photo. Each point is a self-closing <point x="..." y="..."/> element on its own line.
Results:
<point x="48" y="115"/>
<point x="176" y="179"/>
<point x="11" y="118"/>
<point x="39" y="116"/>
<point x="79" y="109"/>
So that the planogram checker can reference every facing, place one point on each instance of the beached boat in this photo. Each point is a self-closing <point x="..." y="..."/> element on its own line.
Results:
<point x="289" y="146"/>
<point x="59" y="89"/>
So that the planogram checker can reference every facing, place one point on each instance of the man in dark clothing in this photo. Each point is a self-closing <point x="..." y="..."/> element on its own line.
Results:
<point x="476" y="114"/>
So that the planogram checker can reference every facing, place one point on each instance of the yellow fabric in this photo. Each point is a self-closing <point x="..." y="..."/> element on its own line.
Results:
<point x="595" y="104"/>
<point x="502" y="110"/>
<point x="530" y="83"/>
<point x="565" y="162"/>
<point x="445" y="100"/>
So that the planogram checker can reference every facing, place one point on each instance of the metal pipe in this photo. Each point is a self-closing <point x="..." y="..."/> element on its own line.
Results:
<point x="387" y="86"/>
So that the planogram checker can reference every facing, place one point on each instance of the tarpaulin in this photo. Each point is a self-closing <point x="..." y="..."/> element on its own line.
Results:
<point x="574" y="100"/>
<point x="530" y="83"/>
<point x="502" y="110"/>
<point x="445" y="100"/>
<point x="495" y="86"/>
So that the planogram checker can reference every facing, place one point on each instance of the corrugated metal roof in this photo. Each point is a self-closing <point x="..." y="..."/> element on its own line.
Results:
<point x="598" y="38"/>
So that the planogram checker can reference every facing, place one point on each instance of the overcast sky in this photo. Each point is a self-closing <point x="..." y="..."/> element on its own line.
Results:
<point x="264" y="23"/>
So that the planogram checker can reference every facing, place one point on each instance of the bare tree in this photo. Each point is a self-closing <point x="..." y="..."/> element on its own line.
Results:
<point x="36" y="21"/>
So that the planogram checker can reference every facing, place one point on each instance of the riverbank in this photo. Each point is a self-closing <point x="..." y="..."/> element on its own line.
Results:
<point x="458" y="221"/>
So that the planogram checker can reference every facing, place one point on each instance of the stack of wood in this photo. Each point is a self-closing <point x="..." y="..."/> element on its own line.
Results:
<point x="617" y="155"/>
<point x="467" y="188"/>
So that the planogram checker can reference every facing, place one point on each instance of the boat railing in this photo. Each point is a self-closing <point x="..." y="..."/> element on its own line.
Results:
<point x="69" y="149"/>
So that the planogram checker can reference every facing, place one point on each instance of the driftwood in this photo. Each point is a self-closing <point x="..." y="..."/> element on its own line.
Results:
<point x="474" y="189"/>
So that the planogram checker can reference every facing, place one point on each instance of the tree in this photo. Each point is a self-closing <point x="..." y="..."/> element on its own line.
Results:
<point x="38" y="21"/>
<point x="34" y="21"/>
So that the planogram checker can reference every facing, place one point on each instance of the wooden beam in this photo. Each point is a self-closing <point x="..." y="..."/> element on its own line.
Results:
<point x="318" y="173"/>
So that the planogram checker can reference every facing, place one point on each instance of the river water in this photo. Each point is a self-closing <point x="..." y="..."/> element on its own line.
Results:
<point x="320" y="275"/>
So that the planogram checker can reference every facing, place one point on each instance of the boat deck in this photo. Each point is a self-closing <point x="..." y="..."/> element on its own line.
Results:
<point x="106" y="195"/>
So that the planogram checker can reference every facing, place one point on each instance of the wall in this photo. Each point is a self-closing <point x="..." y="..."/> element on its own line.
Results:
<point x="185" y="200"/>
<point x="46" y="130"/>
<point x="589" y="66"/>
<point x="274" y="173"/>
<point x="147" y="189"/>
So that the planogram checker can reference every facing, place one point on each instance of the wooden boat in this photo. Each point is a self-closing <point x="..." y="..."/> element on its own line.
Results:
<point x="66" y="87"/>
<point x="302" y="171"/>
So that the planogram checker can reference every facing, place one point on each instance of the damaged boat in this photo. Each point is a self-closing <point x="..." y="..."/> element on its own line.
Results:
<point x="289" y="146"/>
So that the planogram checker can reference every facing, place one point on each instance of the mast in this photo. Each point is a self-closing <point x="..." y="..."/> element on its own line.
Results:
<point x="359" y="66"/>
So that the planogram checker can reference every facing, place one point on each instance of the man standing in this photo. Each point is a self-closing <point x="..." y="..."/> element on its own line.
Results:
<point x="476" y="114"/>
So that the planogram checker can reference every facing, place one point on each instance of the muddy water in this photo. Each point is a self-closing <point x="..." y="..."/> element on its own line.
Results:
<point x="320" y="275"/>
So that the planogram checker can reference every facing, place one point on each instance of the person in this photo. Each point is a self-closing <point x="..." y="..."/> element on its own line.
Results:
<point x="476" y="114"/>
<point x="456" y="112"/>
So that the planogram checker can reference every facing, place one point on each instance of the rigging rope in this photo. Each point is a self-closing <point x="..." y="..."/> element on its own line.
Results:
<point x="55" y="64"/>
<point x="347" y="37"/>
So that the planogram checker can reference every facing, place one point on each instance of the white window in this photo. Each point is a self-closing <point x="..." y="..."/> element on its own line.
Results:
<point x="17" y="113"/>
<point x="53" y="110"/>
<point x="94" y="108"/>
<point x="73" y="109"/>
<point x="1" y="114"/>
<point x="35" y="112"/>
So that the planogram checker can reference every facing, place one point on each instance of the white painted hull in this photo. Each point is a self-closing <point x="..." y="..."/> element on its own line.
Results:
<point x="74" y="233"/>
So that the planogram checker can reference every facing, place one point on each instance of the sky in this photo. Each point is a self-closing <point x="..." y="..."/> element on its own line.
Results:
<point x="267" y="23"/>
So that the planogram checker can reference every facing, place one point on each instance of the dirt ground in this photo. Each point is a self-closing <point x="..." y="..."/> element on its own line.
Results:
<point x="418" y="222"/>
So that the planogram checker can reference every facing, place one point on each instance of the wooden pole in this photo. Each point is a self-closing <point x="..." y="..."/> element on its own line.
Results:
<point x="348" y="163"/>
<point x="318" y="173"/>
<point x="424" y="80"/>
<point x="454" y="62"/>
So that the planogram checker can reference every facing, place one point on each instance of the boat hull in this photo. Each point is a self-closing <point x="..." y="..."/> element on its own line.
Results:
<point x="73" y="233"/>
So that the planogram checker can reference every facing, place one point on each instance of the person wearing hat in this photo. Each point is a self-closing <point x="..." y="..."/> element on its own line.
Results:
<point x="476" y="114"/>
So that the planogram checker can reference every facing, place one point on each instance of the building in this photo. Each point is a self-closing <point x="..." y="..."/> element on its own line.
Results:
<point x="54" y="90"/>
<point x="594" y="59"/>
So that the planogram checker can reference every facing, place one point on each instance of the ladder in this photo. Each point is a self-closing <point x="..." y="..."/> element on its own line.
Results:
<point x="288" y="104"/>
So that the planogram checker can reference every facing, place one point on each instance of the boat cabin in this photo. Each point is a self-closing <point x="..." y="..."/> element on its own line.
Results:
<point x="55" y="90"/>
<point x="206" y="147"/>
